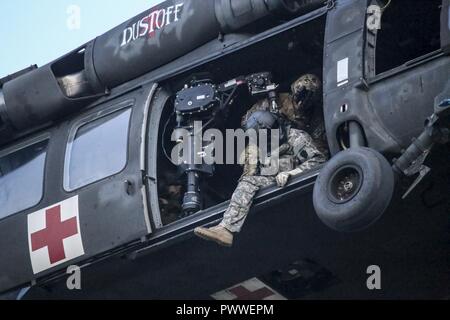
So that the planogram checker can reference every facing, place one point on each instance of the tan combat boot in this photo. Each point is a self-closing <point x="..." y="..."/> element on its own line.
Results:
<point x="217" y="234"/>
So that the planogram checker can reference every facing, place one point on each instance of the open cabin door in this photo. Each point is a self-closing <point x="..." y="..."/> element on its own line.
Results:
<point x="74" y="193"/>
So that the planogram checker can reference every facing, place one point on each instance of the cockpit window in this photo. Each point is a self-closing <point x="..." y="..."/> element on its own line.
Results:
<point x="97" y="150"/>
<point x="22" y="178"/>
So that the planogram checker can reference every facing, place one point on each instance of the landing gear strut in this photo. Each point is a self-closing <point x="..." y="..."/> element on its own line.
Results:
<point x="412" y="160"/>
<point x="356" y="186"/>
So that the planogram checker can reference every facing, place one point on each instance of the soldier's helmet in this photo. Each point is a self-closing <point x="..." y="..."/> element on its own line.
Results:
<point x="260" y="120"/>
<point x="305" y="90"/>
<point x="266" y="120"/>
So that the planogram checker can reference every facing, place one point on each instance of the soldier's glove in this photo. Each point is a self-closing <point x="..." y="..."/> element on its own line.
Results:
<point x="283" y="179"/>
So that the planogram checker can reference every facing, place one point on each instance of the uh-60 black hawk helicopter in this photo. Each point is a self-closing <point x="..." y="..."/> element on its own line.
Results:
<point x="83" y="138"/>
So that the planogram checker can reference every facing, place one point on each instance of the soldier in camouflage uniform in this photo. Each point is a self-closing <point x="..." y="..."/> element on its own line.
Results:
<point x="170" y="192"/>
<point x="297" y="155"/>
<point x="170" y="203"/>
<point x="302" y="108"/>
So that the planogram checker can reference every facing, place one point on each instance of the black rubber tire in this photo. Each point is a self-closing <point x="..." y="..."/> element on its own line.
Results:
<point x="367" y="202"/>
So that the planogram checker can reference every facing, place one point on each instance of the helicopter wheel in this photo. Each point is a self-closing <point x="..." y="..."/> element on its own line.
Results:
<point x="354" y="189"/>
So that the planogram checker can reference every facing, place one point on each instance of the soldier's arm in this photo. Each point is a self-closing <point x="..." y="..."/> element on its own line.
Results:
<point x="261" y="105"/>
<point x="303" y="146"/>
<point x="283" y="177"/>
<point x="307" y="153"/>
<point x="307" y="166"/>
<point x="280" y="151"/>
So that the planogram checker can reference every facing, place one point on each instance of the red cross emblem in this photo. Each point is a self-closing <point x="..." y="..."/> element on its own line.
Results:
<point x="242" y="293"/>
<point x="54" y="235"/>
<point x="253" y="289"/>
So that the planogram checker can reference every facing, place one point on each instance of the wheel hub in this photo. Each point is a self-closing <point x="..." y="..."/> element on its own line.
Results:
<point x="345" y="184"/>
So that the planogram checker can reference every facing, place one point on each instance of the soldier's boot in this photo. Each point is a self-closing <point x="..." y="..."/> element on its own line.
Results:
<point x="217" y="234"/>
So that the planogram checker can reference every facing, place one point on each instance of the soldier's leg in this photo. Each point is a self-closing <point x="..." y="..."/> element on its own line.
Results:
<point x="242" y="200"/>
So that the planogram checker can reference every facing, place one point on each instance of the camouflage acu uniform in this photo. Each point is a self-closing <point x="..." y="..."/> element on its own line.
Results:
<point x="296" y="156"/>
<point x="306" y="147"/>
<point x="313" y="122"/>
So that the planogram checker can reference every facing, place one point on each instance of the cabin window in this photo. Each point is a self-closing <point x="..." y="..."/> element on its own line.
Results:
<point x="409" y="30"/>
<point x="97" y="150"/>
<point x="22" y="178"/>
